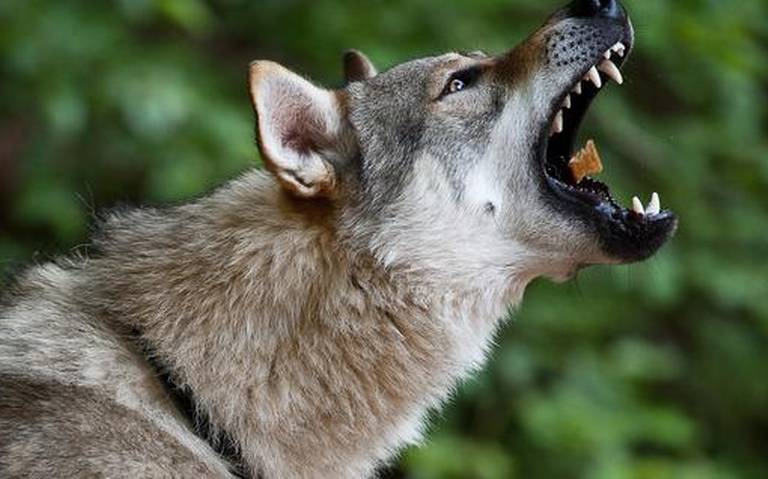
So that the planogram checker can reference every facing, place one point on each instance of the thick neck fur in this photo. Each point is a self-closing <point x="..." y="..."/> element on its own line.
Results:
<point x="315" y="357"/>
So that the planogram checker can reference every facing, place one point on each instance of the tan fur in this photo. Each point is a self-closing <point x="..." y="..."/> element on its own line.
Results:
<point x="322" y="371"/>
<point x="333" y="355"/>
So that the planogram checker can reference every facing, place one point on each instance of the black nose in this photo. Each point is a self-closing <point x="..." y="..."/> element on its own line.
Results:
<point x="598" y="8"/>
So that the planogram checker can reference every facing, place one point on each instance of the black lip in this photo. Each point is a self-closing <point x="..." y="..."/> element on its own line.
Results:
<point x="624" y="234"/>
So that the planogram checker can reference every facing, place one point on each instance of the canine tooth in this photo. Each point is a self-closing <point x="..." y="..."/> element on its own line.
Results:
<point x="610" y="69"/>
<point x="577" y="88"/>
<point x="654" y="207"/>
<point x="594" y="77"/>
<point x="557" y="125"/>
<point x="637" y="206"/>
<point x="567" y="102"/>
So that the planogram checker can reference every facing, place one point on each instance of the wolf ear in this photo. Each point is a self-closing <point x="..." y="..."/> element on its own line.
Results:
<point x="357" y="67"/>
<point x="298" y="123"/>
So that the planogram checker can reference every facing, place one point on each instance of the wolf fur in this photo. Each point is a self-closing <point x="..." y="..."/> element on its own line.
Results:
<point x="314" y="312"/>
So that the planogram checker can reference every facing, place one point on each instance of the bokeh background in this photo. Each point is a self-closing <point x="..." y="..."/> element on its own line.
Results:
<point x="650" y="371"/>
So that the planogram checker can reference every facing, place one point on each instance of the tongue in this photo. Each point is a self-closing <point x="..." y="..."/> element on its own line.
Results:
<point x="585" y="162"/>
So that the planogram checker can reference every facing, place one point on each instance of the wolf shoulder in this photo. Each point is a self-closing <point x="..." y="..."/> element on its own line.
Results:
<point x="76" y="401"/>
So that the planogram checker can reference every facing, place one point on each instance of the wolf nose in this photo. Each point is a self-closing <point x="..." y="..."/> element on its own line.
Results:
<point x="599" y="8"/>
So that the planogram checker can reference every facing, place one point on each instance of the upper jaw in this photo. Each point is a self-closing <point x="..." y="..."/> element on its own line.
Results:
<point x="593" y="70"/>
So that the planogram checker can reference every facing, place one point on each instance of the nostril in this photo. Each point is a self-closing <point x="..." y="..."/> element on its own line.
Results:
<point x="610" y="9"/>
<point x="598" y="8"/>
<point x="592" y="7"/>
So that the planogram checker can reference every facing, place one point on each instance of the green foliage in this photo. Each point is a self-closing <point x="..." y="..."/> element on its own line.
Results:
<point x="644" y="372"/>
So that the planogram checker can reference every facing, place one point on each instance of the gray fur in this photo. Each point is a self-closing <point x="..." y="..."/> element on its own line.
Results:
<point x="315" y="319"/>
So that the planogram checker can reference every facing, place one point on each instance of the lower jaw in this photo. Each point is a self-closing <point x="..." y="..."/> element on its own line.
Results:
<point x="624" y="234"/>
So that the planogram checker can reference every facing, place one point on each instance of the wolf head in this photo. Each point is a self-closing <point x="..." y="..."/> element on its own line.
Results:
<point x="460" y="161"/>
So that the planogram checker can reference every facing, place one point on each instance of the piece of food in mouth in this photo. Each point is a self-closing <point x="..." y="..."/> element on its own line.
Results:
<point x="586" y="162"/>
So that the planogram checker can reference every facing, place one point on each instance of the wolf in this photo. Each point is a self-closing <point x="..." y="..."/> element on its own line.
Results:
<point x="300" y="321"/>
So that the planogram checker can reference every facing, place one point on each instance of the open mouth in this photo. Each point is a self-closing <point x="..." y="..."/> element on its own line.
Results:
<point x="629" y="233"/>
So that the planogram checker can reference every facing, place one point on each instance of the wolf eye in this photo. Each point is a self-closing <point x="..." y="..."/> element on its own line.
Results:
<point x="455" y="85"/>
<point x="461" y="80"/>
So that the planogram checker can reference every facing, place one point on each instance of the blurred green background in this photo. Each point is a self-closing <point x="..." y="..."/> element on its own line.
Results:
<point x="651" y="371"/>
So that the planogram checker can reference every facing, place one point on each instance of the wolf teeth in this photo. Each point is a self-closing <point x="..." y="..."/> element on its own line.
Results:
<point x="557" y="125"/>
<point x="654" y="207"/>
<point x="559" y="121"/>
<point x="637" y="206"/>
<point x="594" y="77"/>
<point x="610" y="69"/>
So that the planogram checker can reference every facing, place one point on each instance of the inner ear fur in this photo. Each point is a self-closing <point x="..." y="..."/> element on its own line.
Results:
<point x="298" y="125"/>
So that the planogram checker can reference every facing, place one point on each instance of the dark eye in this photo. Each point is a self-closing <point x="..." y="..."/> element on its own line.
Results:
<point x="461" y="80"/>
<point x="456" y="85"/>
